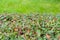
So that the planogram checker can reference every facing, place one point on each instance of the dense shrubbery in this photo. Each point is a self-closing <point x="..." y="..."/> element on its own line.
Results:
<point x="29" y="27"/>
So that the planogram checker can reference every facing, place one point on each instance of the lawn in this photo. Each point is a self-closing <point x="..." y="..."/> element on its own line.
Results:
<point x="29" y="19"/>
<point x="29" y="27"/>
<point x="28" y="6"/>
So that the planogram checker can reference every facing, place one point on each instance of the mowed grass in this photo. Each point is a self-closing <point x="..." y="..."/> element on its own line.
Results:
<point x="28" y="6"/>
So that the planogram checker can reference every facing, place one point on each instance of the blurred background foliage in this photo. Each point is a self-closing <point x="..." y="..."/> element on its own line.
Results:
<point x="27" y="6"/>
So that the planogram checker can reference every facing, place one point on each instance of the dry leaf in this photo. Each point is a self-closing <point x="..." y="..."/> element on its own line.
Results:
<point x="48" y="36"/>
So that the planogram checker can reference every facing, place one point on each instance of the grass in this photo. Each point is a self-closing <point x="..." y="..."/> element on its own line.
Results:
<point x="29" y="27"/>
<point x="27" y="6"/>
<point x="17" y="25"/>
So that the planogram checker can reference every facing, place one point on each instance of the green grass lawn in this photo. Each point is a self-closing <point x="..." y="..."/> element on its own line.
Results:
<point x="27" y="6"/>
<point x="43" y="26"/>
<point x="29" y="27"/>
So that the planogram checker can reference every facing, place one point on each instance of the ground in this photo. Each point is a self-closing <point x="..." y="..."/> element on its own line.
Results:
<point x="29" y="19"/>
<point x="29" y="27"/>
